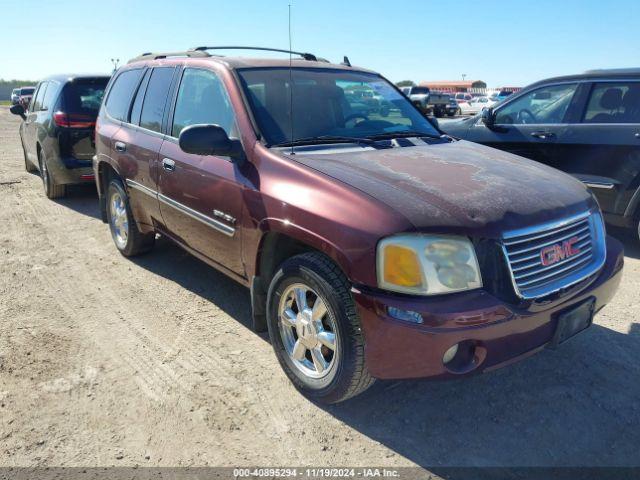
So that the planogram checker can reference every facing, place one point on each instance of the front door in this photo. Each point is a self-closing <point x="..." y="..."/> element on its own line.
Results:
<point x="530" y="124"/>
<point x="201" y="197"/>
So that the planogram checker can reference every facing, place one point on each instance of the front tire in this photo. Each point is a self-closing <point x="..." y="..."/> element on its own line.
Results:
<point x="28" y="166"/>
<point x="124" y="230"/>
<point x="52" y="189"/>
<point x="315" y="330"/>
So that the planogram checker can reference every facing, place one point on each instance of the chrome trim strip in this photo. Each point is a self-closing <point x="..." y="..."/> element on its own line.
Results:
<point x="546" y="226"/>
<point x="208" y="221"/>
<point x="141" y="188"/>
<point x="603" y="186"/>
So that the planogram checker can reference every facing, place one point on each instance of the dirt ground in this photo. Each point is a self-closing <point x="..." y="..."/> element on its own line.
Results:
<point x="151" y="362"/>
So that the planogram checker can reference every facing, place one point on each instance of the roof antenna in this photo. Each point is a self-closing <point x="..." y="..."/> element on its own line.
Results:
<point x="346" y="62"/>
<point x="290" y="84"/>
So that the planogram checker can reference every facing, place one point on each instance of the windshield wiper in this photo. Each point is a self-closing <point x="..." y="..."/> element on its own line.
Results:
<point x="320" y="139"/>
<point x="403" y="133"/>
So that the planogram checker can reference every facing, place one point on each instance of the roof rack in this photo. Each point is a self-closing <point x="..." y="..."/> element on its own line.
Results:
<point x="307" y="56"/>
<point x="155" y="56"/>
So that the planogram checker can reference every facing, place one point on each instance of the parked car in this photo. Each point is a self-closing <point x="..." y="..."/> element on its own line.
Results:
<point x="453" y="108"/>
<point x="372" y="248"/>
<point x="427" y="101"/>
<point x="587" y="125"/>
<point x="475" y="105"/>
<point x="15" y="96"/>
<point x="57" y="130"/>
<point x="463" y="97"/>
<point x="24" y="97"/>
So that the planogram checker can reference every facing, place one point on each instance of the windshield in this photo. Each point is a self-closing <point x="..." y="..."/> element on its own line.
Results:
<point x="328" y="103"/>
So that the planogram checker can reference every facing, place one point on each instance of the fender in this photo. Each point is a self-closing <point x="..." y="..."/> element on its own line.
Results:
<point x="633" y="205"/>
<point x="301" y="234"/>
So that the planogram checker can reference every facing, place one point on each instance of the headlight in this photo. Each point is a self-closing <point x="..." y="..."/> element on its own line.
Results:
<point x="427" y="264"/>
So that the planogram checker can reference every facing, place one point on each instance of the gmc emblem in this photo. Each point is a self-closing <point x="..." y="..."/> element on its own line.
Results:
<point x="555" y="253"/>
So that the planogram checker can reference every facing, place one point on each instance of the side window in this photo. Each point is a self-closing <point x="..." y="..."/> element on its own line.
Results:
<point x="36" y="102"/>
<point x="545" y="105"/>
<point x="614" y="103"/>
<point x="137" y="103"/>
<point x="50" y="95"/>
<point x="202" y="98"/>
<point x="120" y="94"/>
<point x="155" y="98"/>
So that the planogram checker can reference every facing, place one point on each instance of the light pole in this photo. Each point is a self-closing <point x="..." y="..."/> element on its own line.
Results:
<point x="464" y="75"/>
<point x="115" y="62"/>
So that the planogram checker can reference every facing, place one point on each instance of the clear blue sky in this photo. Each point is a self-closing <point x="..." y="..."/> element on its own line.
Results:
<point x="504" y="42"/>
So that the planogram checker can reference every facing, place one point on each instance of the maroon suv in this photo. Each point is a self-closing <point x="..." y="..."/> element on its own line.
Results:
<point x="374" y="246"/>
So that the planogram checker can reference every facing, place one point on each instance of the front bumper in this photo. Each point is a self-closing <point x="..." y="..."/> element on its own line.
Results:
<point x="499" y="332"/>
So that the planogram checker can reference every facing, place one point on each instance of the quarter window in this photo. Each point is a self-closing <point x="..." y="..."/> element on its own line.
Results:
<point x="202" y="98"/>
<point x="546" y="105"/>
<point x="137" y="103"/>
<point x="614" y="103"/>
<point x="120" y="94"/>
<point x="155" y="99"/>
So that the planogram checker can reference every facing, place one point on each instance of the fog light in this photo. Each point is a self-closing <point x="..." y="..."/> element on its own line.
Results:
<point x="450" y="354"/>
<point x="405" y="315"/>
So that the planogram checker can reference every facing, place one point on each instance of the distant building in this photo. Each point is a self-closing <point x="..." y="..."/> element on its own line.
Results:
<point x="455" y="85"/>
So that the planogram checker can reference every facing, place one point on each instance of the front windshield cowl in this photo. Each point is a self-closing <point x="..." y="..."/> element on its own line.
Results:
<point x="330" y="104"/>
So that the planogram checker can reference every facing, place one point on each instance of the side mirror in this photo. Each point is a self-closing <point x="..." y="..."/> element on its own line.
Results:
<point x="487" y="116"/>
<point x="210" y="140"/>
<point x="18" y="110"/>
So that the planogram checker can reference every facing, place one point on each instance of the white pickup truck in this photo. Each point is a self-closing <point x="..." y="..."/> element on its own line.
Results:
<point x="427" y="101"/>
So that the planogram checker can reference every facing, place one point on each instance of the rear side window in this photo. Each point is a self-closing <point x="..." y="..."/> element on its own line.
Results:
<point x="84" y="95"/>
<point x="36" y="102"/>
<point x="137" y="103"/>
<point x="614" y="103"/>
<point x="155" y="99"/>
<point x="120" y="94"/>
<point x="50" y="95"/>
<point x="202" y="98"/>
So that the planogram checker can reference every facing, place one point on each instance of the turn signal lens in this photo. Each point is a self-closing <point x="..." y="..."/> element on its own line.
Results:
<point x="401" y="266"/>
<point x="427" y="264"/>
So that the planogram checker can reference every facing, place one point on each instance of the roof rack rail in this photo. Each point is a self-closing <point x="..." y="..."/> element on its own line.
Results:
<point x="155" y="56"/>
<point x="307" y="56"/>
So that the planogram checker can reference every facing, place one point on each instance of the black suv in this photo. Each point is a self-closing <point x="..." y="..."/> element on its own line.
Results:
<point x="57" y="131"/>
<point x="587" y="125"/>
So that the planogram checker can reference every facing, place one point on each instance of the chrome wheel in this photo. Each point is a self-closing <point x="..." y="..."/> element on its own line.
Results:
<point x="308" y="331"/>
<point x="119" y="220"/>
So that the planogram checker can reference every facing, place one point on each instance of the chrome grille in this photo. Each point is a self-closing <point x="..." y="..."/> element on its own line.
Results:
<point x="524" y="250"/>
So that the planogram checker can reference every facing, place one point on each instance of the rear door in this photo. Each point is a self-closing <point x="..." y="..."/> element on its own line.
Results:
<point x="530" y="124"/>
<point x="603" y="147"/>
<point x="201" y="197"/>
<point x="138" y="142"/>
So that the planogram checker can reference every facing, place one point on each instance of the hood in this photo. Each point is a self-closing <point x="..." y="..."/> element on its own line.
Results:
<point x="457" y="186"/>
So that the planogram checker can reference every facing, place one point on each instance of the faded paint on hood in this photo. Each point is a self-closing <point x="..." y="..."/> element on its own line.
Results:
<point x="460" y="184"/>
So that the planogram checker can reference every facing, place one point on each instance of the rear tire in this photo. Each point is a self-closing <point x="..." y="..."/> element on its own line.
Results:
<point x="52" y="189"/>
<point x="28" y="166"/>
<point x="326" y="365"/>
<point x="124" y="230"/>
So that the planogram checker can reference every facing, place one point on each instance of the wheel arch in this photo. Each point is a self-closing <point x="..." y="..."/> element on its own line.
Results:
<point x="280" y="240"/>
<point x="105" y="172"/>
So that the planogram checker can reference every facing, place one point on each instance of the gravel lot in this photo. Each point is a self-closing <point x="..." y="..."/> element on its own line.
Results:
<point x="151" y="362"/>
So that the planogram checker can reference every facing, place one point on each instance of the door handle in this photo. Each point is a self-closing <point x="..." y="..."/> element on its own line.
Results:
<point x="120" y="147"/>
<point x="543" y="135"/>
<point x="168" y="164"/>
